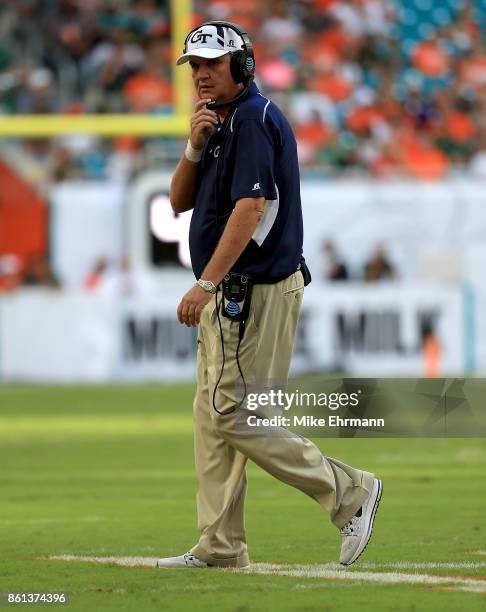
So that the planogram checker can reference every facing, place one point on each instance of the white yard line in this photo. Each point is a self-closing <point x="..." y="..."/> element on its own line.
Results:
<point x="424" y="565"/>
<point x="125" y="561"/>
<point x="332" y="571"/>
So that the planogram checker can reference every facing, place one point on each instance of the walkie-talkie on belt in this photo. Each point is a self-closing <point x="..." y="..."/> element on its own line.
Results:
<point x="237" y="290"/>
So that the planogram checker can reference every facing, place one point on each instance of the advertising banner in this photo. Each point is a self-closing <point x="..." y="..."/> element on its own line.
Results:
<point x="354" y="329"/>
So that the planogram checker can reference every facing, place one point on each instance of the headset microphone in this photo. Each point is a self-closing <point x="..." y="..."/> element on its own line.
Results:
<point x="215" y="105"/>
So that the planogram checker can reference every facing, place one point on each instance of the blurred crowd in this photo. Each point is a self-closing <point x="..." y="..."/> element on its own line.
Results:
<point x="378" y="267"/>
<point x="382" y="87"/>
<point x="108" y="277"/>
<point x="36" y="272"/>
<point x="118" y="277"/>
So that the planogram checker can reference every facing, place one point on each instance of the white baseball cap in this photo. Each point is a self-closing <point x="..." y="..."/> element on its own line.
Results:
<point x="211" y="41"/>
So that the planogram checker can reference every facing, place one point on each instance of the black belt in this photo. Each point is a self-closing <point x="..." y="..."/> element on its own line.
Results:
<point x="267" y="280"/>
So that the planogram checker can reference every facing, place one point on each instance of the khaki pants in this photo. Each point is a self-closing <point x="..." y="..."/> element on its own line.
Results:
<point x="221" y="454"/>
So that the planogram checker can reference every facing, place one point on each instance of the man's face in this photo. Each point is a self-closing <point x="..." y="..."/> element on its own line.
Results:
<point x="212" y="78"/>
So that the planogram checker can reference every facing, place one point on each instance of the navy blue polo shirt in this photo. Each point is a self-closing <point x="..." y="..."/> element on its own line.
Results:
<point x="252" y="154"/>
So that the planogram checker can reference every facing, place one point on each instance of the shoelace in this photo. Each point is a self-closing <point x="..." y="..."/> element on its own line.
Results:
<point x="190" y="557"/>
<point x="351" y="528"/>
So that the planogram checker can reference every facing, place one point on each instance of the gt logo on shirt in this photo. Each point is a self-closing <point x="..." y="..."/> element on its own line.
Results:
<point x="256" y="186"/>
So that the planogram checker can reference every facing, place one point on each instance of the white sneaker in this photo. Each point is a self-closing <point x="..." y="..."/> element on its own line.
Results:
<point x="356" y="534"/>
<point x="182" y="562"/>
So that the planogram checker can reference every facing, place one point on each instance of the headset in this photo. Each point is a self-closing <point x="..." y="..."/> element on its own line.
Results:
<point x="242" y="62"/>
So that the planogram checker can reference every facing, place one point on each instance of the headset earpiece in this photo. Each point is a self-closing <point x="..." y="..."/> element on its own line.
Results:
<point x="236" y="66"/>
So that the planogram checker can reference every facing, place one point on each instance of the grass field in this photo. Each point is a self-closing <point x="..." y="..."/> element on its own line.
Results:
<point x="108" y="471"/>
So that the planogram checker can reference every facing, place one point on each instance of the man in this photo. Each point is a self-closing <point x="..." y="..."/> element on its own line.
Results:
<point x="240" y="175"/>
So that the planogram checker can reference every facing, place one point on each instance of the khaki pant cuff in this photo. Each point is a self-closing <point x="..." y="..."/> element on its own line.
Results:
<point x="236" y="561"/>
<point x="362" y="491"/>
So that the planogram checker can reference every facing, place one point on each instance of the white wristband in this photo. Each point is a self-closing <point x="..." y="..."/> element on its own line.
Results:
<point x="192" y="154"/>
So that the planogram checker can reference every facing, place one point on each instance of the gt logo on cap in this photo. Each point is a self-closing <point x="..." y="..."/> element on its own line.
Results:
<point x="199" y="36"/>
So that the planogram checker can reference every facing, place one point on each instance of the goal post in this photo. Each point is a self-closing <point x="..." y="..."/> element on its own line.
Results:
<point x="175" y="124"/>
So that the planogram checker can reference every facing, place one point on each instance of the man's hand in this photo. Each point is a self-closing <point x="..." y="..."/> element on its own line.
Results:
<point x="203" y="122"/>
<point x="183" y="184"/>
<point x="191" y="306"/>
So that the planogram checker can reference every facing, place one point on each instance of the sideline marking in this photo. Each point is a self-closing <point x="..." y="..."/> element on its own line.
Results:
<point x="122" y="561"/>
<point x="329" y="571"/>
<point x="425" y="565"/>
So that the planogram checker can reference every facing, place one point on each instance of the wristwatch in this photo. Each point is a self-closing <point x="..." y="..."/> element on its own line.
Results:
<point x="207" y="285"/>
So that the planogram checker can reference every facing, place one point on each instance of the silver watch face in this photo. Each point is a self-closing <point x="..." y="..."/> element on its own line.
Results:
<point x="207" y="286"/>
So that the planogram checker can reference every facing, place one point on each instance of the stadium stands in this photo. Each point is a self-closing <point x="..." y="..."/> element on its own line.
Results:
<point x="382" y="87"/>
